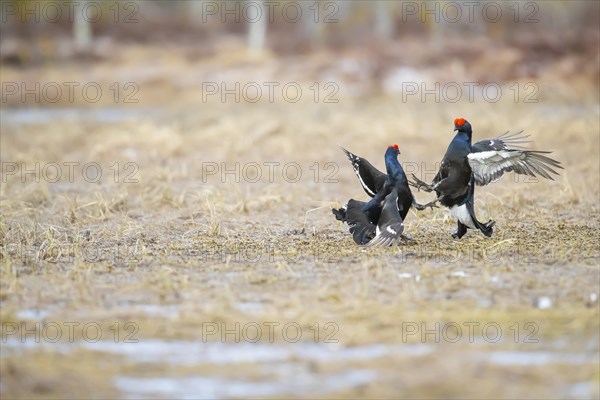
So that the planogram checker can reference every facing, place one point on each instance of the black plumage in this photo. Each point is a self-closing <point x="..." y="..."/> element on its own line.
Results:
<point x="465" y="165"/>
<point x="378" y="222"/>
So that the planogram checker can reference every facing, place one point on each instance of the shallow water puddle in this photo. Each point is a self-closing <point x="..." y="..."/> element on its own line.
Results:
<point x="250" y="307"/>
<point x="27" y="116"/>
<point x="281" y="368"/>
<point x="286" y="365"/>
<point x="154" y="310"/>
<point x="529" y="358"/>
<point x="185" y="353"/>
<point x="197" y="353"/>
<point x="304" y="383"/>
<point x="32" y="314"/>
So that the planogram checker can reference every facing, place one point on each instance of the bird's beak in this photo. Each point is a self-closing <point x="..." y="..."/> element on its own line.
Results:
<point x="455" y="129"/>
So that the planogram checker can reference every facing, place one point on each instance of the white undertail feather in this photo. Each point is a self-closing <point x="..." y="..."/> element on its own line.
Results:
<point x="461" y="213"/>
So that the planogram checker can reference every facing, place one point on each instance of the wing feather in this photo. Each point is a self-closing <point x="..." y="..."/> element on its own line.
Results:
<point x="490" y="159"/>
<point x="489" y="166"/>
<point x="390" y="225"/>
<point x="515" y="140"/>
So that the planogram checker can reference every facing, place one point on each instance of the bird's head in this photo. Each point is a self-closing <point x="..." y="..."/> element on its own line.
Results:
<point x="393" y="149"/>
<point x="462" y="125"/>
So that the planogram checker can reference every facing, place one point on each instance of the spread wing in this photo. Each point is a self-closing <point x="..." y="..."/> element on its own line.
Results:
<point x="490" y="159"/>
<point x="361" y="223"/>
<point x="389" y="225"/>
<point x="370" y="178"/>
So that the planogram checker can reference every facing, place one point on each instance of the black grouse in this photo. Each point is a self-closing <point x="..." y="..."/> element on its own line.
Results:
<point x="379" y="222"/>
<point x="465" y="165"/>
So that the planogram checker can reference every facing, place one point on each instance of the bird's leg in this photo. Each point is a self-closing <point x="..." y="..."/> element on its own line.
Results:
<point x="340" y="213"/>
<point x="422" y="207"/>
<point x="460" y="232"/>
<point x="406" y="238"/>
<point x="419" y="184"/>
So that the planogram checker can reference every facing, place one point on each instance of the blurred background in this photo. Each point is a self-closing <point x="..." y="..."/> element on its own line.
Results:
<point x="126" y="131"/>
<point x="170" y="48"/>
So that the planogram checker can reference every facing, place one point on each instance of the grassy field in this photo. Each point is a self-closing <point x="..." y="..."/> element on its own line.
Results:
<point x="179" y="240"/>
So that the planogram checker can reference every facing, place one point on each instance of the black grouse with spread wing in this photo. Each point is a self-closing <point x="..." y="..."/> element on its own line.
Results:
<point x="465" y="165"/>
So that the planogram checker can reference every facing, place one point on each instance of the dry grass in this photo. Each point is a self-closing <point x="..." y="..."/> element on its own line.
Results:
<point x="93" y="251"/>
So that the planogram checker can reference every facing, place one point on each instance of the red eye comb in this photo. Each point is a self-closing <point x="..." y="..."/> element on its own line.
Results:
<point x="396" y="147"/>
<point x="459" y="122"/>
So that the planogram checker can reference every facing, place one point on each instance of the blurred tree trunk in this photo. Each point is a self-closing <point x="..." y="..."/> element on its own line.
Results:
<point x="82" y="31"/>
<point x="431" y="12"/>
<point x="257" y="27"/>
<point x="195" y="10"/>
<point x="383" y="21"/>
<point x="312" y="26"/>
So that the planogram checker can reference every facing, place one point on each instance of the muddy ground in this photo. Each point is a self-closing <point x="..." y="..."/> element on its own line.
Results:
<point x="179" y="271"/>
